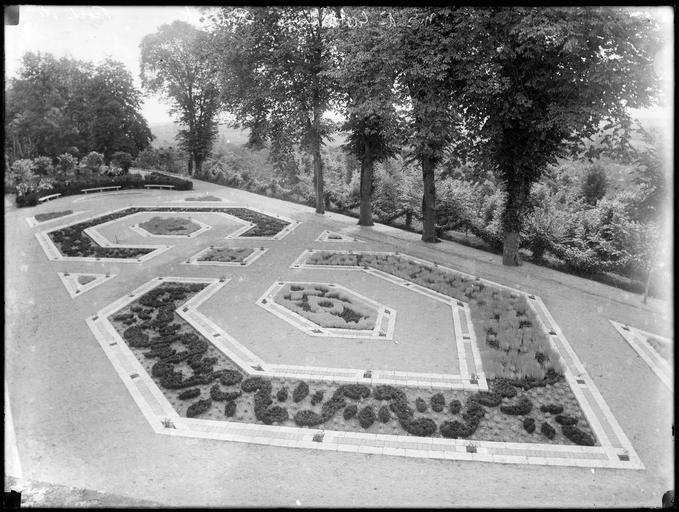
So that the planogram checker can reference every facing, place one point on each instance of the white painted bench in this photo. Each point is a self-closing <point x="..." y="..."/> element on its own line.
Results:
<point x="47" y="198"/>
<point x="100" y="189"/>
<point x="158" y="186"/>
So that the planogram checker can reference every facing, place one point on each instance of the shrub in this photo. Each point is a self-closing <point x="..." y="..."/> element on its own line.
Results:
<point x="307" y="418"/>
<point x="92" y="161"/>
<point x="198" y="407"/>
<point x="350" y="411"/>
<point x="282" y="394"/>
<point x="160" y="368"/>
<point x="438" y="402"/>
<point x="454" y="429"/>
<point x="230" y="377"/>
<point x="547" y="430"/>
<point x="317" y="397"/>
<point x="420" y="405"/>
<point x="401" y="409"/>
<point x="189" y="393"/>
<point x="356" y="391"/>
<point x="218" y="395"/>
<point x="487" y="398"/>
<point x="122" y="159"/>
<point x="333" y="405"/>
<point x="252" y="384"/>
<point x="383" y="414"/>
<point x="563" y="419"/>
<point x="503" y="388"/>
<point x="135" y="336"/>
<point x="275" y="414"/>
<point x="421" y="427"/>
<point x="366" y="416"/>
<point x="523" y="406"/>
<point x="529" y="425"/>
<point x="552" y="408"/>
<point x="230" y="408"/>
<point x="386" y="392"/>
<point x="577" y="436"/>
<point x="300" y="392"/>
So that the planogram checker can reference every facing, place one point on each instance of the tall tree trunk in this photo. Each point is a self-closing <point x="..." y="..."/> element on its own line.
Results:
<point x="198" y="165"/>
<point x="365" y="215"/>
<point x="190" y="166"/>
<point x="318" y="174"/>
<point x="517" y="192"/>
<point x="428" y="201"/>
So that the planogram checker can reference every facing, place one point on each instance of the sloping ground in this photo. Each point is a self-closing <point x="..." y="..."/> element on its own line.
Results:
<point x="77" y="426"/>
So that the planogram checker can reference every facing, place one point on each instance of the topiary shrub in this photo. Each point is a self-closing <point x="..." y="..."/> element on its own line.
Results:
<point x="401" y="409"/>
<point x="135" y="337"/>
<point x="383" y="414"/>
<point x="366" y="416"/>
<point x="455" y="406"/>
<point x="300" y="392"/>
<point x="333" y="405"/>
<point x="420" y="405"/>
<point x="552" y="408"/>
<point x="230" y="377"/>
<point x="230" y="408"/>
<point x="529" y="425"/>
<point x="577" y="436"/>
<point x="356" y="391"/>
<point x="563" y="419"/>
<point x="198" y="407"/>
<point x="547" y="430"/>
<point x="422" y="427"/>
<point x="307" y="418"/>
<point x="252" y="384"/>
<point x="350" y="411"/>
<point x="386" y="392"/>
<point x="523" y="406"/>
<point x="160" y="368"/>
<point x="274" y="414"/>
<point x="503" y="388"/>
<point x="189" y="394"/>
<point x="317" y="397"/>
<point x="282" y="394"/>
<point x="218" y="395"/>
<point x="454" y="429"/>
<point x="487" y="398"/>
<point x="438" y="402"/>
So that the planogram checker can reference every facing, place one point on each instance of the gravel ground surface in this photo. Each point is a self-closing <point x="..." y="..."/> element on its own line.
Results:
<point x="77" y="427"/>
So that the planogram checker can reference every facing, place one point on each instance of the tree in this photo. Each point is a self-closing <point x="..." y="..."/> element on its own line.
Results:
<point x="539" y="81"/>
<point x="177" y="61"/>
<point x="274" y="76"/>
<point x="366" y="76"/>
<point x="594" y="184"/>
<point x="122" y="159"/>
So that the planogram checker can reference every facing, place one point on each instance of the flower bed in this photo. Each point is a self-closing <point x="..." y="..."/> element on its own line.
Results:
<point x="169" y="226"/>
<point x="42" y="217"/>
<point x="203" y="198"/>
<point x="326" y="307"/>
<point x="226" y="254"/>
<point x="73" y="242"/>
<point x="201" y="381"/>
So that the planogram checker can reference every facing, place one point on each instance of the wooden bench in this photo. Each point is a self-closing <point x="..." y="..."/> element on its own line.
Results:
<point x="47" y="198"/>
<point x="100" y="189"/>
<point x="158" y="186"/>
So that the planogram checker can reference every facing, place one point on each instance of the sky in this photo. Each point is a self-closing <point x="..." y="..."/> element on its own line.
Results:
<point x="92" y="33"/>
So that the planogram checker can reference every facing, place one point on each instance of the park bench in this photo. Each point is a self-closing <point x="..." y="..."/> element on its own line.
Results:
<point x="100" y="189"/>
<point x="158" y="186"/>
<point x="47" y="198"/>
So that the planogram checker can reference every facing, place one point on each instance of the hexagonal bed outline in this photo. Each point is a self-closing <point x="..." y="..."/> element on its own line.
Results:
<point x="54" y="254"/>
<point x="384" y="324"/>
<point x="164" y="419"/>
<point x="202" y="228"/>
<point x="256" y="253"/>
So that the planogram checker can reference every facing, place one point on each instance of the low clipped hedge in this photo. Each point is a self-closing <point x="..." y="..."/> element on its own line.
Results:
<point x="438" y="402"/>
<point x="564" y="419"/>
<point x="455" y="407"/>
<point x="422" y="427"/>
<point x="547" y="430"/>
<point x="350" y="411"/>
<point x="577" y="436"/>
<point x="454" y="429"/>
<point x="198" y="408"/>
<point x="383" y="414"/>
<point x="282" y="394"/>
<point x="189" y="394"/>
<point x="218" y="395"/>
<point x="274" y="414"/>
<point x="300" y="392"/>
<point x="386" y="392"/>
<point x="366" y="417"/>
<point x="333" y="405"/>
<point x="523" y="406"/>
<point x="487" y="398"/>
<point x="552" y="408"/>
<point x="317" y="397"/>
<point x="252" y="384"/>
<point x="503" y="387"/>
<point x="307" y="418"/>
<point x="356" y="391"/>
<point x="420" y="404"/>
<point x="230" y="409"/>
<point x="231" y="377"/>
<point x="529" y="425"/>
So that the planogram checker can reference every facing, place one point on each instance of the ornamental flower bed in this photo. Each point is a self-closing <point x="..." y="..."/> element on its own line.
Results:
<point x="326" y="307"/>
<point x="169" y="226"/>
<point x="42" y="217"/>
<point x="226" y="254"/>
<point x="200" y="381"/>
<point x="73" y="242"/>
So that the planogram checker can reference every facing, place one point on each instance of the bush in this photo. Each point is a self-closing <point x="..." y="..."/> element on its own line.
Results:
<point x="282" y="394"/>
<point x="421" y="427"/>
<point x="383" y="414"/>
<point x="529" y="425"/>
<point x="275" y="414"/>
<point x="438" y="402"/>
<point x="122" y="159"/>
<point x="577" y="436"/>
<point x="547" y="430"/>
<point x="300" y="392"/>
<point x="308" y="418"/>
<point x="386" y="392"/>
<point x="218" y="395"/>
<point x="350" y="411"/>
<point x="317" y="397"/>
<point x="366" y="416"/>
<point x="92" y="161"/>
<point x="503" y="388"/>
<point x="563" y="419"/>
<point x="230" y="377"/>
<point x="455" y="406"/>
<point x="487" y="398"/>
<point x="454" y="429"/>
<point x="198" y="407"/>
<point x="230" y="408"/>
<point x="356" y="391"/>
<point x="189" y="393"/>
<point x="30" y="198"/>
<point x="523" y="406"/>
<point x="552" y="408"/>
<point x="159" y="369"/>
<point x="333" y="405"/>
<point x="253" y="384"/>
<point x="420" y="405"/>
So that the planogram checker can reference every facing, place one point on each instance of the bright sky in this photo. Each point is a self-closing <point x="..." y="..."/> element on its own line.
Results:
<point x="93" y="32"/>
